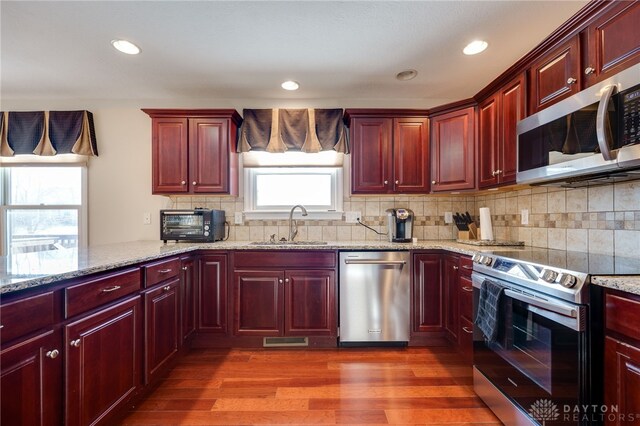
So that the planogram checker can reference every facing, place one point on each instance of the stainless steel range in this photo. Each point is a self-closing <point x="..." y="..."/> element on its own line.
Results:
<point x="537" y="368"/>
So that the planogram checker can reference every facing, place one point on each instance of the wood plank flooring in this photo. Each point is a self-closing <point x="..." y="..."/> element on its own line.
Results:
<point x="363" y="386"/>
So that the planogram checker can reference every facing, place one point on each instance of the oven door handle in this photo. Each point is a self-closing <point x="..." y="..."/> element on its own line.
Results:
<point x="561" y="309"/>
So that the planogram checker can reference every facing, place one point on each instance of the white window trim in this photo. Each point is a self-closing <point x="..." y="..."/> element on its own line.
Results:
<point x="83" y="215"/>
<point x="250" y="213"/>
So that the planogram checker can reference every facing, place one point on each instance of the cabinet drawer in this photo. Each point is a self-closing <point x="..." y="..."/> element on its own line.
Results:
<point x="466" y="266"/>
<point x="465" y="336"/>
<point x="466" y="297"/>
<point x="160" y="271"/>
<point x="284" y="259"/>
<point x="622" y="315"/>
<point x="98" y="291"/>
<point x="26" y="315"/>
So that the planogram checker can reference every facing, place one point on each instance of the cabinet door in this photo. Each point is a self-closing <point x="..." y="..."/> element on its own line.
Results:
<point x="427" y="293"/>
<point x="613" y="41"/>
<point x="555" y="76"/>
<point x="103" y="362"/>
<point x="212" y="308"/>
<point x="310" y="303"/>
<point x="452" y="151"/>
<point x="162" y="326"/>
<point x="488" y="142"/>
<point x="209" y="147"/>
<point x="371" y="161"/>
<point x="410" y="155"/>
<point x="189" y="281"/>
<point x="258" y="300"/>
<point x="169" y="153"/>
<point x="622" y="381"/>
<point x="31" y="381"/>
<point x="512" y="110"/>
<point x="450" y="271"/>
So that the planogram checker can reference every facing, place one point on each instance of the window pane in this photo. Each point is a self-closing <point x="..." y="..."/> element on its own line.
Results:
<point x="40" y="230"/>
<point x="292" y="189"/>
<point x="45" y="185"/>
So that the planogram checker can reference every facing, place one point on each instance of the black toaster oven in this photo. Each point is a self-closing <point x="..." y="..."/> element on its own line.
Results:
<point x="199" y="225"/>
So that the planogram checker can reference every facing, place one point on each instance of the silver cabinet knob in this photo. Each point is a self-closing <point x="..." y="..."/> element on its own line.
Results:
<point x="498" y="171"/>
<point x="280" y="281"/>
<point x="493" y="173"/>
<point x="589" y="70"/>
<point x="571" y="80"/>
<point x="386" y="182"/>
<point x="433" y="182"/>
<point x="193" y="183"/>
<point x="397" y="182"/>
<point x="286" y="280"/>
<point x="184" y="268"/>
<point x="75" y="343"/>
<point x="183" y="182"/>
<point x="455" y="267"/>
<point x="53" y="354"/>
<point x="166" y="288"/>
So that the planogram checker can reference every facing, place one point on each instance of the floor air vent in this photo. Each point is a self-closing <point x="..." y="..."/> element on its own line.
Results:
<point x="270" y="342"/>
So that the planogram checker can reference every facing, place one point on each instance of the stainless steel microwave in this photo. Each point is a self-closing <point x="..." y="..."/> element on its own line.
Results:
<point x="199" y="225"/>
<point x="592" y="136"/>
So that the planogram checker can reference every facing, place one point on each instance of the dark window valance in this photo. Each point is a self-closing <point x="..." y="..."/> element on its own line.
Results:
<point x="281" y="130"/>
<point x="47" y="133"/>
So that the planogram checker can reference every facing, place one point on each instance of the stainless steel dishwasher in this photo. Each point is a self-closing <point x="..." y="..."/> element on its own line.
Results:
<point x="374" y="297"/>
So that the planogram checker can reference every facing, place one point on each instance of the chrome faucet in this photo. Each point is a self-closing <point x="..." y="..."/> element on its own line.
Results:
<point x="293" y="226"/>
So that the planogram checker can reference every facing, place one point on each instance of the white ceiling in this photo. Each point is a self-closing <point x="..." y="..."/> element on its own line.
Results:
<point x="344" y="53"/>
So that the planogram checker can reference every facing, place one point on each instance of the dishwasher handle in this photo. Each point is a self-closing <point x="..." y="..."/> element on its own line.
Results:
<point x="374" y="262"/>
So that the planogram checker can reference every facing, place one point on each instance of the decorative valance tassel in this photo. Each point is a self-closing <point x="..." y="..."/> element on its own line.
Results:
<point x="5" y="149"/>
<point x="45" y="147"/>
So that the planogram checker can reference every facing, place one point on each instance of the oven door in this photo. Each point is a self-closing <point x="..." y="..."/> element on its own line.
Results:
<point x="539" y="355"/>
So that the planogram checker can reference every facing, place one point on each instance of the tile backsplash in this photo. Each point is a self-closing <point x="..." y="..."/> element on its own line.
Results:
<point x="602" y="219"/>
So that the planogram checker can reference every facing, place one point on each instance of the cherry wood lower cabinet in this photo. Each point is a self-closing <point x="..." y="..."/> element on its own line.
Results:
<point x="31" y="381"/>
<point x="279" y="294"/>
<point x="103" y="362"/>
<point x="212" y="294"/>
<point x="162" y="327"/>
<point x="427" y="294"/>
<point x="450" y="268"/>
<point x="622" y="356"/>
<point x="188" y="292"/>
<point x="465" y="308"/>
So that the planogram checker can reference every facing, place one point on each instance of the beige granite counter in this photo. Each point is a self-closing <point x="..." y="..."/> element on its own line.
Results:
<point x="628" y="283"/>
<point x="26" y="270"/>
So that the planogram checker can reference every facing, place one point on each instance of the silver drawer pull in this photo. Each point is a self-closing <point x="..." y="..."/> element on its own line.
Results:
<point x="184" y="268"/>
<point x="75" y="343"/>
<point x="53" y="354"/>
<point x="467" y="330"/>
<point x="166" y="288"/>
<point x="165" y="271"/>
<point x="374" y="262"/>
<point x="110" y="289"/>
<point x="468" y="268"/>
<point x="469" y="289"/>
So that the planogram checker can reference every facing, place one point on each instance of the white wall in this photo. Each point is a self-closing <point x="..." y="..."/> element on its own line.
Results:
<point x="120" y="179"/>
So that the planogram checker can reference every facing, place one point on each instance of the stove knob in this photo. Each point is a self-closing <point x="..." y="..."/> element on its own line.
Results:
<point x="486" y="260"/>
<point x="568" y="280"/>
<point x="548" y="275"/>
<point x="476" y="258"/>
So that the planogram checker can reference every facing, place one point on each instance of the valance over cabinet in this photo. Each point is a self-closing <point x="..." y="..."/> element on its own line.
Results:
<point x="47" y="133"/>
<point x="193" y="151"/>
<point x="305" y="130"/>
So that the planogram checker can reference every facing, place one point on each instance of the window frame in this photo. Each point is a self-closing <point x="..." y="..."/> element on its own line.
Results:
<point x="251" y="211"/>
<point x="5" y="207"/>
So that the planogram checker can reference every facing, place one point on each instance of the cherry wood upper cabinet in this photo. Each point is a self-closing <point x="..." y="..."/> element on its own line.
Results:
<point x="555" y="76"/>
<point x="498" y="117"/>
<point x="613" y="41"/>
<point x="453" y="150"/>
<point x="389" y="152"/>
<point x="194" y="151"/>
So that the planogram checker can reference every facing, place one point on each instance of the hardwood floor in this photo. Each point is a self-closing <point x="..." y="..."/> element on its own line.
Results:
<point x="402" y="386"/>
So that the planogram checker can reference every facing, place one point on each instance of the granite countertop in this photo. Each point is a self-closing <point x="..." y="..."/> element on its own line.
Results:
<point x="628" y="283"/>
<point x="22" y="271"/>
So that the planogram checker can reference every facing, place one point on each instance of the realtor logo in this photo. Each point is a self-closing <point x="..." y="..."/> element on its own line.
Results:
<point x="544" y="410"/>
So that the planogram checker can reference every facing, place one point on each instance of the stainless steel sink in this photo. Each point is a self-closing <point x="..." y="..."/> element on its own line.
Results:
<point x="288" y="243"/>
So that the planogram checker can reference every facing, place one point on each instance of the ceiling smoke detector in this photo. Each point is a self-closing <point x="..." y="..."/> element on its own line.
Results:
<point x="125" y="46"/>
<point x="290" y="85"/>
<point x="406" y="75"/>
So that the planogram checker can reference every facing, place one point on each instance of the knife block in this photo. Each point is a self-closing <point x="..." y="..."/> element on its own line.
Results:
<point x="471" y="234"/>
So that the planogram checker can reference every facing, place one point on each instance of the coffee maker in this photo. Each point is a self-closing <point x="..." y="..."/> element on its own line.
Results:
<point x="399" y="225"/>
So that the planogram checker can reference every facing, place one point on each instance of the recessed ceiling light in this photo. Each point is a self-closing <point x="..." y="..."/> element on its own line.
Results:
<point x="125" y="46"/>
<point x="290" y="85"/>
<point x="475" y="47"/>
<point x="406" y="75"/>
